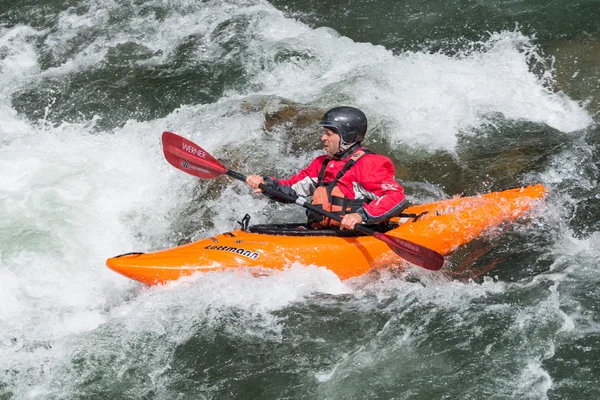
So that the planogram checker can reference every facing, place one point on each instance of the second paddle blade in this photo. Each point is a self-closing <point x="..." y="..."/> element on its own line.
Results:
<point x="413" y="252"/>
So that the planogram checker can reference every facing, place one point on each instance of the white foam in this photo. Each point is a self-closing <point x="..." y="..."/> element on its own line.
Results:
<point x="534" y="379"/>
<point x="427" y="98"/>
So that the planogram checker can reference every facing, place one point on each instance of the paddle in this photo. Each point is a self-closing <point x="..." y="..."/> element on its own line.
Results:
<point x="191" y="158"/>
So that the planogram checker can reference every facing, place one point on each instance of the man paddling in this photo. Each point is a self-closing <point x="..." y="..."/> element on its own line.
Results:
<point x="191" y="158"/>
<point x="348" y="180"/>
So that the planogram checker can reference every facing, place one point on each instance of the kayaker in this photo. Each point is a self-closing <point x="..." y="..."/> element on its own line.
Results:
<point x="348" y="180"/>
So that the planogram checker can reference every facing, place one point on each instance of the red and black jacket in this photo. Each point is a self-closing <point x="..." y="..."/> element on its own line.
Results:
<point x="370" y="179"/>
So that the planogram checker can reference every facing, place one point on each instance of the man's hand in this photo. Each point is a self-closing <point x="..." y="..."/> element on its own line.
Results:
<point x="350" y="220"/>
<point x="255" y="181"/>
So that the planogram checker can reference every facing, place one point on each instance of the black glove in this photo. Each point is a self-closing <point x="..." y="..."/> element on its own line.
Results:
<point x="274" y="184"/>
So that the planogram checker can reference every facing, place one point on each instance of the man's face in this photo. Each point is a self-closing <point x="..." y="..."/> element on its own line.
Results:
<point x="331" y="142"/>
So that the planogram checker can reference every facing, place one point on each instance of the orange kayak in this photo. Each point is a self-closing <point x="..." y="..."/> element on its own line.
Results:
<point x="442" y="226"/>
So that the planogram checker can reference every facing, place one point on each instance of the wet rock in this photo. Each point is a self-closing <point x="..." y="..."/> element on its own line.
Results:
<point x="577" y="66"/>
<point x="495" y="158"/>
<point x="295" y="123"/>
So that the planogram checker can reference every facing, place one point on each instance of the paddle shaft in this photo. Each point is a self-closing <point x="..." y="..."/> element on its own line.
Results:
<point x="300" y="201"/>
<point x="425" y="257"/>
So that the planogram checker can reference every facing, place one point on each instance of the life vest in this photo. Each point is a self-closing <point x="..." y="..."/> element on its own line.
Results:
<point x="329" y="197"/>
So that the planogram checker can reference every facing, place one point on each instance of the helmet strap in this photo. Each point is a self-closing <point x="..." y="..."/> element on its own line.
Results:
<point x="346" y="149"/>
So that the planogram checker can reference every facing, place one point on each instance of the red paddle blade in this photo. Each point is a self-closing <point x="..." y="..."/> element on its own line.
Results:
<point x="413" y="252"/>
<point x="189" y="157"/>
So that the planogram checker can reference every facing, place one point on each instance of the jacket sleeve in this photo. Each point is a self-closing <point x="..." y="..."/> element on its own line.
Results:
<point x="305" y="181"/>
<point x="376" y="176"/>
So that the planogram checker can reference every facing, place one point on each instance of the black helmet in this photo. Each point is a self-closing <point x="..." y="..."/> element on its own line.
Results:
<point x="349" y="122"/>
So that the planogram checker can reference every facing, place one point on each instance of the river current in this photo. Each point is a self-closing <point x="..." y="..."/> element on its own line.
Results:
<point x="464" y="96"/>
